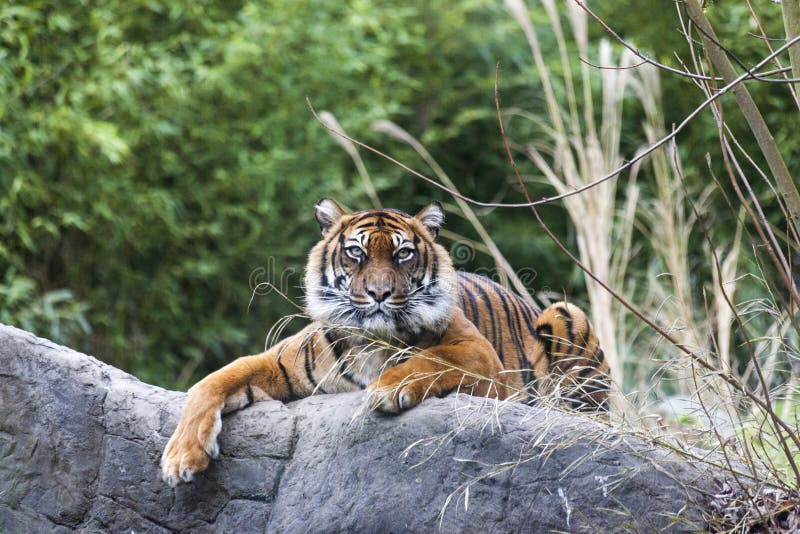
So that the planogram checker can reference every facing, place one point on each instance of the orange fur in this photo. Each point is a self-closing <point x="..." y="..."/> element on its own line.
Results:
<point x="391" y="315"/>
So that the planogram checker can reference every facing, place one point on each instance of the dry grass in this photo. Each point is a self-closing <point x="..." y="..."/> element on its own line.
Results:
<point x="732" y="311"/>
<point x="576" y="150"/>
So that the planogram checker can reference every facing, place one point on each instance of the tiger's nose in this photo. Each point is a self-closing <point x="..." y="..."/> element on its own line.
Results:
<point x="379" y="293"/>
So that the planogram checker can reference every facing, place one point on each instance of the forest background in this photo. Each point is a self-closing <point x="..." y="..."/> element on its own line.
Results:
<point x="159" y="164"/>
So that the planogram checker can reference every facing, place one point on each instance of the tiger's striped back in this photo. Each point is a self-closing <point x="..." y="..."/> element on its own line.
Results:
<point x="554" y="351"/>
<point x="383" y="272"/>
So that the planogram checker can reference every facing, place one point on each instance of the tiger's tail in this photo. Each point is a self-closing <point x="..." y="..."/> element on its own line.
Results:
<point x="579" y="372"/>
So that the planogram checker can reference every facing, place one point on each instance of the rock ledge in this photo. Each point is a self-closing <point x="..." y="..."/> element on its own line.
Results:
<point x="80" y="443"/>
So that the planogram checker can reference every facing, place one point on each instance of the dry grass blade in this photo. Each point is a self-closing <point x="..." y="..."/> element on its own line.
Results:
<point x="504" y="269"/>
<point x="335" y="129"/>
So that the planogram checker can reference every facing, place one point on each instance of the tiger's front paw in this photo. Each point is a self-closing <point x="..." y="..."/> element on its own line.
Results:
<point x="393" y="396"/>
<point x="388" y="401"/>
<point x="191" y="447"/>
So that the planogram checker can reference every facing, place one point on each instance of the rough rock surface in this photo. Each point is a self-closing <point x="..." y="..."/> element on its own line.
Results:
<point x="80" y="443"/>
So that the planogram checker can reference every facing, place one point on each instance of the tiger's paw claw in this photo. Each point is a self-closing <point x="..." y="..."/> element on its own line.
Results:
<point x="388" y="400"/>
<point x="180" y="464"/>
<point x="190" y="449"/>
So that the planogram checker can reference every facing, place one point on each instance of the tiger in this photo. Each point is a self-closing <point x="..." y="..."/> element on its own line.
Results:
<point x="390" y="314"/>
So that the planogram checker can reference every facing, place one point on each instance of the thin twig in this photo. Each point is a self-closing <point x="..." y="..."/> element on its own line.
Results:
<point x="639" y="156"/>
<point x="684" y="73"/>
<point x="635" y="311"/>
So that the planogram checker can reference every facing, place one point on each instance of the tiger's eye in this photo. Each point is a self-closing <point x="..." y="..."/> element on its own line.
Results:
<point x="355" y="252"/>
<point x="404" y="254"/>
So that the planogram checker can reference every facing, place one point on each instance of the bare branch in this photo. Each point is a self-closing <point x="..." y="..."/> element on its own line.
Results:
<point x="703" y="362"/>
<point x="751" y="112"/>
<point x="628" y="164"/>
<point x="684" y="73"/>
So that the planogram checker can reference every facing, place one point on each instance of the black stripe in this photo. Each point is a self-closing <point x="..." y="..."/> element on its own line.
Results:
<point x="473" y="303"/>
<point x="309" y="374"/>
<point x="467" y="291"/>
<point x="395" y="228"/>
<point x="394" y="218"/>
<point x="525" y="364"/>
<point x="396" y="212"/>
<point x="581" y="398"/>
<point x="417" y="255"/>
<point x="504" y="302"/>
<point x="249" y="392"/>
<point x="590" y="405"/>
<point x="462" y="300"/>
<point x="517" y="323"/>
<point x="570" y="334"/>
<point x="485" y="296"/>
<point x="359" y="218"/>
<point x="529" y="314"/>
<point x="337" y="352"/>
<point x="577" y="403"/>
<point x="514" y="327"/>
<point x="563" y="311"/>
<point x="545" y="334"/>
<point x="424" y="262"/>
<point x="582" y="394"/>
<point x="378" y="225"/>
<point x="339" y="252"/>
<point x="286" y="377"/>
<point x="339" y="281"/>
<point x="592" y="386"/>
<point x="381" y="217"/>
<point x="324" y="263"/>
<point x="347" y="376"/>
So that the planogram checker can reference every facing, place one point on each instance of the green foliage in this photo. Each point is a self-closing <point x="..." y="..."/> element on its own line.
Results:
<point x="158" y="159"/>
<point x="660" y="37"/>
<point x="155" y="154"/>
<point x="766" y="445"/>
<point x="56" y="312"/>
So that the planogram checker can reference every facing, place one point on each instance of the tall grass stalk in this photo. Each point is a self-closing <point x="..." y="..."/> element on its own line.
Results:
<point x="712" y="308"/>
<point x="507" y="275"/>
<point x="702" y="316"/>
<point x="505" y="272"/>
<point x="581" y="149"/>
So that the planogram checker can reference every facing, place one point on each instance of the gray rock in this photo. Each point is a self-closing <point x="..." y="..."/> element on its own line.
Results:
<point x="80" y="444"/>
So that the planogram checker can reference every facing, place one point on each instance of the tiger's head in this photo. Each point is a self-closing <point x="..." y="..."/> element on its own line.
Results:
<point x="381" y="271"/>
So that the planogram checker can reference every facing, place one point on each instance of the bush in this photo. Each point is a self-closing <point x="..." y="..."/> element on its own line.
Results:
<point x="155" y="154"/>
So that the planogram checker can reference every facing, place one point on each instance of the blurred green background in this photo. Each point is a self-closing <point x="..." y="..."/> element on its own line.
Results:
<point x="157" y="158"/>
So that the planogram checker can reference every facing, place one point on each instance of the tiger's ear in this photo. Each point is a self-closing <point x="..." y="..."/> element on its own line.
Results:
<point x="328" y="212"/>
<point x="431" y="217"/>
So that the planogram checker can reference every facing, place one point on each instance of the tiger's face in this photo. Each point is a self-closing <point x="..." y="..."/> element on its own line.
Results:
<point x="381" y="271"/>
